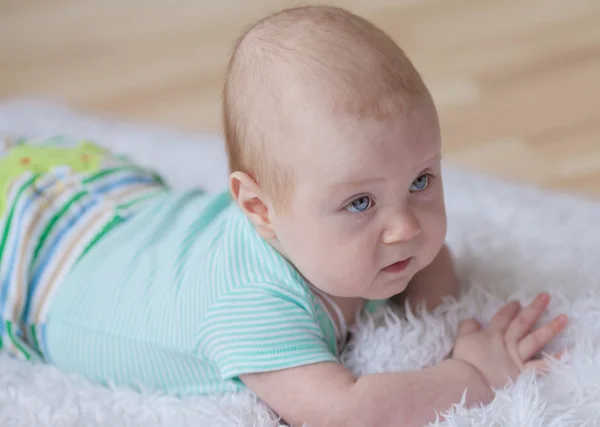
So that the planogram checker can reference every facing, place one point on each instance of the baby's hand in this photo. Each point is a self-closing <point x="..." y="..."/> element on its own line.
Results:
<point x="508" y="346"/>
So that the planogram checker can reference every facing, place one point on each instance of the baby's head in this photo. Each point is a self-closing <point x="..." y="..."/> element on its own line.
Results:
<point x="334" y="148"/>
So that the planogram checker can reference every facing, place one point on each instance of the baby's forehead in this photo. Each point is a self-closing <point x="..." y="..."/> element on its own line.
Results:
<point x="317" y="121"/>
<point x="329" y="142"/>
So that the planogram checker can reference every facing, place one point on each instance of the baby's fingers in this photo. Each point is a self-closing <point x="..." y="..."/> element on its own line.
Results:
<point x="538" y="365"/>
<point x="542" y="365"/>
<point x="536" y="340"/>
<point x="505" y="316"/>
<point x="524" y="321"/>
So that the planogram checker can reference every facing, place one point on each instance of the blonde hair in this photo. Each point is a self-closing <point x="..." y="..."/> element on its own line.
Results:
<point x="321" y="53"/>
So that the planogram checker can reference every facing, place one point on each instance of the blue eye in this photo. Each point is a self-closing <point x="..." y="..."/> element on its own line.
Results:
<point x="420" y="183"/>
<point x="359" y="205"/>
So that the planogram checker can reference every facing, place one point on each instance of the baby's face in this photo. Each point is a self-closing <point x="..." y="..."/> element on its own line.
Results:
<point x="367" y="210"/>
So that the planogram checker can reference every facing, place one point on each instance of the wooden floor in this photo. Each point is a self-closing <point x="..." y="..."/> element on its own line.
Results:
<point x="517" y="82"/>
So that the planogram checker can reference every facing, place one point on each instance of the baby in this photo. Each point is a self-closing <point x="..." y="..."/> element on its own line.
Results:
<point x="335" y="207"/>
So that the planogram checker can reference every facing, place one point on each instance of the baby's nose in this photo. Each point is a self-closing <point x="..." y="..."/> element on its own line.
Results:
<point x="402" y="228"/>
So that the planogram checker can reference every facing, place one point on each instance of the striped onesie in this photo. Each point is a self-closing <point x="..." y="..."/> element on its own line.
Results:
<point x="173" y="291"/>
<point x="58" y="197"/>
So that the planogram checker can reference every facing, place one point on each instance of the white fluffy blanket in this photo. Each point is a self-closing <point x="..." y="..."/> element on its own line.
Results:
<point x="509" y="240"/>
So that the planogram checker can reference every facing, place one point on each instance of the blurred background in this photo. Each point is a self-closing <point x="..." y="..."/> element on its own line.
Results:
<point x="517" y="82"/>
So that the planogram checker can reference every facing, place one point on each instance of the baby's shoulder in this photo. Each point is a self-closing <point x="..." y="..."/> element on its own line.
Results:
<point x="250" y="259"/>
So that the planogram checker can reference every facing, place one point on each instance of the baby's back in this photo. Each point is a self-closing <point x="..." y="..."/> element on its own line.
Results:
<point x="130" y="309"/>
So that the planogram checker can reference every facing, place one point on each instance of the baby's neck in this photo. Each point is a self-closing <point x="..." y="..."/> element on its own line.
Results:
<point x="349" y="308"/>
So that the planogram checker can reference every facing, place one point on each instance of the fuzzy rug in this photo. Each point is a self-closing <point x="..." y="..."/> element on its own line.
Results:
<point x="510" y="241"/>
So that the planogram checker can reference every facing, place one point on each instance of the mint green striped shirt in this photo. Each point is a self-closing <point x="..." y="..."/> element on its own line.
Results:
<point x="184" y="298"/>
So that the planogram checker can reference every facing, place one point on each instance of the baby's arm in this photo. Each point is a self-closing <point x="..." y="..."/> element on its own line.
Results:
<point x="327" y="394"/>
<point x="432" y="284"/>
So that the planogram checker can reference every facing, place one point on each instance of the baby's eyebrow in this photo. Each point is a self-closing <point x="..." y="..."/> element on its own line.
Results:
<point x="350" y="185"/>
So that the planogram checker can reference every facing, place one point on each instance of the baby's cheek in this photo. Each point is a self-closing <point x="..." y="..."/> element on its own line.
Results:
<point x="319" y="262"/>
<point x="334" y="257"/>
<point x="355" y="268"/>
<point x="435" y="236"/>
<point x="336" y="270"/>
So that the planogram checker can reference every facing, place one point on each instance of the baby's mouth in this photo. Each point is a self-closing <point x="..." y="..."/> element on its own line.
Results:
<point x="398" y="267"/>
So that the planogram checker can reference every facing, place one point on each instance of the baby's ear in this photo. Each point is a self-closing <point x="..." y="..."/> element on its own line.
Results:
<point x="252" y="201"/>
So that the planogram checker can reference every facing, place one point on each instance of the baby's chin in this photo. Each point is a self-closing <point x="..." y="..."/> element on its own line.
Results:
<point x="390" y="292"/>
<point x="390" y="287"/>
<point x="382" y="286"/>
<point x="385" y="291"/>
